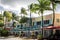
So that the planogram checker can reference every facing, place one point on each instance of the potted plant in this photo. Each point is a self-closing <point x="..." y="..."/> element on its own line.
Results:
<point x="33" y="35"/>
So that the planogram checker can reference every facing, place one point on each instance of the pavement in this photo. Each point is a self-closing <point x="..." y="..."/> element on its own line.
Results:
<point x="14" y="38"/>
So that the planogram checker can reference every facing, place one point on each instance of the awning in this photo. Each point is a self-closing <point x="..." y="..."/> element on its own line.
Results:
<point x="51" y="27"/>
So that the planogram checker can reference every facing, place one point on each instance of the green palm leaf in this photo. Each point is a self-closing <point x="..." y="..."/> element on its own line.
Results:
<point x="23" y="11"/>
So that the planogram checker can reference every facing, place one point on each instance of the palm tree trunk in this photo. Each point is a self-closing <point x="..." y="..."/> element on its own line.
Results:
<point x="42" y="21"/>
<point x="53" y="16"/>
<point x="21" y="23"/>
<point x="53" y="13"/>
<point x="30" y="20"/>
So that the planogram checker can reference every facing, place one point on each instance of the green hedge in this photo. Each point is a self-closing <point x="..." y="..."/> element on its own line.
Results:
<point x="4" y="33"/>
<point x="1" y="23"/>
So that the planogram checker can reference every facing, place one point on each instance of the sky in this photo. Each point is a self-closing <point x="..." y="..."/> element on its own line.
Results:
<point x="16" y="5"/>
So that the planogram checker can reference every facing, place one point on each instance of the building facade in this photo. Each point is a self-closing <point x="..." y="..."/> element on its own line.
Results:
<point x="47" y="20"/>
<point x="37" y="23"/>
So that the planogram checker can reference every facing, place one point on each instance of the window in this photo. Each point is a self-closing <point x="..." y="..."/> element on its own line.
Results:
<point x="18" y="25"/>
<point x="46" y="22"/>
<point x="39" y="23"/>
<point x="57" y="20"/>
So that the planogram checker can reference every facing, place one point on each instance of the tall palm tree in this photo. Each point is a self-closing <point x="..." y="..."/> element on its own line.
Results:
<point x="43" y="5"/>
<point x="30" y="22"/>
<point x="53" y="6"/>
<point x="53" y="9"/>
<point x="23" y="11"/>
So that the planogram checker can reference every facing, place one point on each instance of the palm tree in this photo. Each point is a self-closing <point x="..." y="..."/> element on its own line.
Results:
<point x="53" y="6"/>
<point x="23" y="11"/>
<point x="43" y="5"/>
<point x="53" y="9"/>
<point x="30" y="21"/>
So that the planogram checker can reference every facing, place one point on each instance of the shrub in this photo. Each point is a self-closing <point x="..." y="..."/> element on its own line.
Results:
<point x="1" y="23"/>
<point x="0" y="32"/>
<point x="4" y="33"/>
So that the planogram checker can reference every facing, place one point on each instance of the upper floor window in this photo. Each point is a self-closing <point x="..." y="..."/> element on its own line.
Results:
<point x="46" y="22"/>
<point x="57" y="20"/>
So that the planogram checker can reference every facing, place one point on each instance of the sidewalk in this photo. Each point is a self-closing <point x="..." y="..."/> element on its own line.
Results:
<point x="14" y="38"/>
<point x="28" y="39"/>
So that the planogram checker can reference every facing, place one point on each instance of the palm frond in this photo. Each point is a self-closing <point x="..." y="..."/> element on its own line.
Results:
<point x="43" y="5"/>
<point x="48" y="8"/>
<point x="23" y="11"/>
<point x="34" y="7"/>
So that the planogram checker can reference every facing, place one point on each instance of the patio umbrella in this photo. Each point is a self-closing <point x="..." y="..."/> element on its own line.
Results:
<point x="57" y="27"/>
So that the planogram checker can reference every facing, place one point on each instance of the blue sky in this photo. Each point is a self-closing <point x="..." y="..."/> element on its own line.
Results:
<point x="16" y="5"/>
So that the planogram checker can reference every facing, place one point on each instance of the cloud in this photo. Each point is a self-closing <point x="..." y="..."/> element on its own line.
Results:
<point x="19" y="2"/>
<point x="16" y="5"/>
